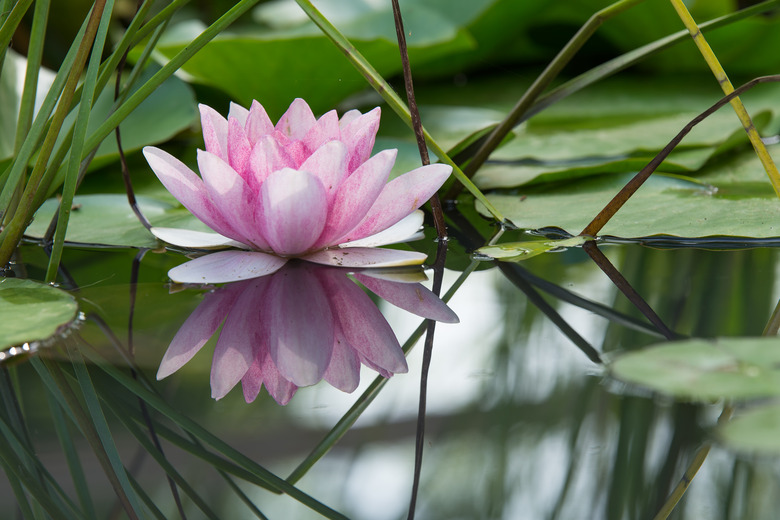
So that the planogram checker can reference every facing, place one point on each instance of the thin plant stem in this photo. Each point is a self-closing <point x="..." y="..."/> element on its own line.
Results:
<point x="79" y="134"/>
<point x="11" y="22"/>
<point x="384" y="89"/>
<point x="542" y="82"/>
<point x="728" y="88"/>
<point x="12" y="233"/>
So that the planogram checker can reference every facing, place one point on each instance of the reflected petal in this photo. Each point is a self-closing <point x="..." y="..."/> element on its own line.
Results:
<point x="226" y="266"/>
<point x="198" y="328"/>
<point x="357" y="257"/>
<point x="344" y="369"/>
<point x="300" y="326"/>
<point x="412" y="297"/>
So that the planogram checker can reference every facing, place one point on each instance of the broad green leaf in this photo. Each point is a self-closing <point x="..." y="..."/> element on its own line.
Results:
<point x="517" y="251"/>
<point x="33" y="311"/>
<point x="703" y="370"/>
<point x="754" y="430"/>
<point x="108" y="220"/>
<point x="731" y="198"/>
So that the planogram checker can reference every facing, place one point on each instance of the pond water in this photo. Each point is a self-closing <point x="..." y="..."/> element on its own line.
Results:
<point x="521" y="422"/>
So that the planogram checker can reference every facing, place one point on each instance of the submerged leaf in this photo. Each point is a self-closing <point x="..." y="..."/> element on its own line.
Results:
<point x="517" y="251"/>
<point x="33" y="311"/>
<point x="753" y="431"/>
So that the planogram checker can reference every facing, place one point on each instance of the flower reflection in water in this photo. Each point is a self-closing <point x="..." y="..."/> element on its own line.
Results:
<point x="297" y="326"/>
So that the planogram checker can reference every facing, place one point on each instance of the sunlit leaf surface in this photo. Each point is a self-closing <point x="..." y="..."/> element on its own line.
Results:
<point x="703" y="370"/>
<point x="33" y="311"/>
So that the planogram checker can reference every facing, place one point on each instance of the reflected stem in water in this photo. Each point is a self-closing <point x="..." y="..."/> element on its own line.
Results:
<point x="621" y="283"/>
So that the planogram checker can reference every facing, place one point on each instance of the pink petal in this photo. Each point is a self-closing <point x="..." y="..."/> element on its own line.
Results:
<point x="238" y="112"/>
<point x="344" y="369"/>
<point x="363" y="325"/>
<point x="296" y="122"/>
<point x="194" y="239"/>
<point x="233" y="354"/>
<point x="405" y="230"/>
<point x="412" y="297"/>
<point x="258" y="123"/>
<point x="278" y="387"/>
<point x="197" y="329"/>
<point x="239" y="148"/>
<point x="348" y="117"/>
<point x="267" y="157"/>
<point x="252" y="381"/>
<point x="226" y="266"/>
<point x="300" y="326"/>
<point x="188" y="189"/>
<point x="294" y="209"/>
<point x="328" y="163"/>
<point x="326" y="129"/>
<point x="359" y="136"/>
<point x="233" y="197"/>
<point x="357" y="257"/>
<point x="355" y="197"/>
<point x="400" y="197"/>
<point x="215" y="131"/>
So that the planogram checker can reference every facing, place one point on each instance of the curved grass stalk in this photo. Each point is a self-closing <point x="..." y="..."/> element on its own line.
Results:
<point x="728" y="88"/>
<point x="379" y="84"/>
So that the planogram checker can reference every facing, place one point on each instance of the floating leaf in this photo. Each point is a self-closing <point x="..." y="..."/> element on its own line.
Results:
<point x="754" y="430"/>
<point x="33" y="311"/>
<point x="703" y="370"/>
<point x="107" y="220"/>
<point x="517" y="251"/>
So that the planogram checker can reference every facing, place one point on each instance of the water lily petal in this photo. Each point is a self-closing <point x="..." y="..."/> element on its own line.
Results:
<point x="412" y="297"/>
<point x="239" y="150"/>
<point x="402" y="231"/>
<point x="355" y="197"/>
<point x="238" y="112"/>
<point x="197" y="329"/>
<point x="294" y="209"/>
<point x="194" y="239"/>
<point x="234" y="354"/>
<point x="347" y="117"/>
<point x="258" y="123"/>
<point x="396" y="274"/>
<point x="357" y="257"/>
<point x="215" y="131"/>
<point x="226" y="266"/>
<point x="328" y="163"/>
<point x="252" y="381"/>
<point x="236" y="198"/>
<point x="400" y="197"/>
<point x="296" y="122"/>
<point x="300" y="326"/>
<point x="267" y="157"/>
<point x="359" y="136"/>
<point x="363" y="326"/>
<point x="187" y="187"/>
<point x="344" y="369"/>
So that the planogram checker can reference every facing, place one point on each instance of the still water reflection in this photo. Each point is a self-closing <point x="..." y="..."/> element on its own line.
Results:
<point x="521" y="423"/>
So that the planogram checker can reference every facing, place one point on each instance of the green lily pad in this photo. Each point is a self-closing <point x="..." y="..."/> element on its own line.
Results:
<point x="33" y="311"/>
<point x="753" y="431"/>
<point x="107" y="220"/>
<point x="732" y="198"/>
<point x="518" y="251"/>
<point x="703" y="370"/>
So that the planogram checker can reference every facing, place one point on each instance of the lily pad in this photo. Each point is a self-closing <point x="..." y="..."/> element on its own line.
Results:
<point x="107" y="220"/>
<point x="33" y="311"/>
<point x="518" y="251"/>
<point x="704" y="370"/>
<point x="753" y="431"/>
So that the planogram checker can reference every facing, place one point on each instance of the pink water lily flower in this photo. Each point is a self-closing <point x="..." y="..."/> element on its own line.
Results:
<point x="297" y="326"/>
<point x="306" y="188"/>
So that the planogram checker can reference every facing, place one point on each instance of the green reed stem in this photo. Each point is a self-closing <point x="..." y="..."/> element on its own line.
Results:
<point x="396" y="103"/>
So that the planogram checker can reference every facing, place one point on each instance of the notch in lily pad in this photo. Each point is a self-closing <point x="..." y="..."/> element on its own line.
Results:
<point x="33" y="314"/>
<point x="705" y="370"/>
<point x="518" y="251"/>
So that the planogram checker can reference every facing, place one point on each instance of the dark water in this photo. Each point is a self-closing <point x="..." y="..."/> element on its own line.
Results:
<point x="521" y="422"/>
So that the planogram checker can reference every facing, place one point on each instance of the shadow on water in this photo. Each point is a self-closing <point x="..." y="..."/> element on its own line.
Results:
<point x="521" y="421"/>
